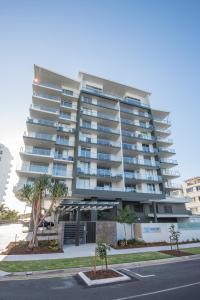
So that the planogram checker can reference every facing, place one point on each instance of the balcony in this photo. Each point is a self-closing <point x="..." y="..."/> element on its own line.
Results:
<point x="48" y="85"/>
<point x="138" y="136"/>
<point x="64" y="142"/>
<point x="172" y="186"/>
<point x="47" y="97"/>
<point x="164" y="122"/>
<point x="135" y="123"/>
<point x="170" y="173"/>
<point x="34" y="169"/>
<point x="40" y="136"/>
<point x="45" y="109"/>
<point x="143" y="177"/>
<point x="101" y="142"/>
<point x="99" y="156"/>
<point x="66" y="129"/>
<point x="48" y="123"/>
<point x="98" y="104"/>
<point x="162" y="140"/>
<point x="62" y="173"/>
<point x="139" y="113"/>
<point x="100" y="128"/>
<point x="165" y="150"/>
<point x="162" y="130"/>
<point x="99" y="188"/>
<point x="168" y="161"/>
<point x="61" y="157"/>
<point x="99" y="115"/>
<point x="135" y="102"/>
<point x="65" y="104"/>
<point x="66" y="117"/>
<point x="101" y="173"/>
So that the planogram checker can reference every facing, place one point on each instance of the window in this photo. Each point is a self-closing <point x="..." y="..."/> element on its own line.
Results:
<point x="67" y="92"/>
<point x="86" y="124"/>
<point x="93" y="88"/>
<point x="130" y="188"/>
<point x="138" y="207"/>
<point x="167" y="209"/>
<point x="65" y="115"/>
<point x="150" y="187"/>
<point x="198" y="188"/>
<point x="189" y="190"/>
<point x="83" y="183"/>
<point x="85" y="152"/>
<point x="66" y="103"/>
<point x="87" y="99"/>
<point x="59" y="170"/>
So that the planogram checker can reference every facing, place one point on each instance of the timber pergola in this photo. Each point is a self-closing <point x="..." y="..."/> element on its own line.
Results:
<point x="84" y="205"/>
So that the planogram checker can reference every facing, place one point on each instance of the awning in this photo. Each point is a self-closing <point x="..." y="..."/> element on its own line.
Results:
<point x="71" y="205"/>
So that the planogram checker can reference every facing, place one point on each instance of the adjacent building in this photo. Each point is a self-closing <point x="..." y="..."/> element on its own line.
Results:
<point x="105" y="141"/>
<point x="5" y="167"/>
<point x="191" y="189"/>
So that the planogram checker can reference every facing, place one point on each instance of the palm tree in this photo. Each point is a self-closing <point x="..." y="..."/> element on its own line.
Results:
<point x="34" y="195"/>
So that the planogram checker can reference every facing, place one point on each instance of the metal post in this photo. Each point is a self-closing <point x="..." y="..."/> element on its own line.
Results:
<point x="155" y="212"/>
<point x="77" y="238"/>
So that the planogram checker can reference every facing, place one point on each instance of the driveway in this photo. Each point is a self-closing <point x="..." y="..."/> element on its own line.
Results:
<point x="8" y="233"/>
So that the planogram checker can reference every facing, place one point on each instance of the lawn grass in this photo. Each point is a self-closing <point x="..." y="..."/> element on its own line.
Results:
<point x="195" y="250"/>
<point x="53" y="264"/>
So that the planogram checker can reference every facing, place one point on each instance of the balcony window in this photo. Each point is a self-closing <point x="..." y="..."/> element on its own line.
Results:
<point x="86" y="152"/>
<point x="62" y="140"/>
<point x="83" y="183"/>
<point x="168" y="209"/>
<point x="41" y="151"/>
<point x="59" y="170"/>
<point x="66" y="103"/>
<point x="38" y="167"/>
<point x="67" y="92"/>
<point x="103" y="156"/>
<point x="86" y="124"/>
<point x="44" y="136"/>
<point x="130" y="188"/>
<point x="93" y="88"/>
<point x="104" y="186"/>
<point x="151" y="187"/>
<point x="87" y="99"/>
<point x="65" y="115"/>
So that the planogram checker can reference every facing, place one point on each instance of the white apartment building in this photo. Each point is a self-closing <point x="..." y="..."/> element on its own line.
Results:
<point x="5" y="166"/>
<point x="103" y="139"/>
<point x="191" y="189"/>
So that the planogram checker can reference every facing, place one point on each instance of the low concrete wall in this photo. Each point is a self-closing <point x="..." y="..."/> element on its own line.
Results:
<point x="106" y="232"/>
<point x="121" y="232"/>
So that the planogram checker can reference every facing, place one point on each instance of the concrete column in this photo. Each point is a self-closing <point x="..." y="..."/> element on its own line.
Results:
<point x="155" y="212"/>
<point x="138" y="231"/>
<point x="77" y="238"/>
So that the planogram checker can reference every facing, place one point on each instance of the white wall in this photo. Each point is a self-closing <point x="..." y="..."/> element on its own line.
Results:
<point x="120" y="231"/>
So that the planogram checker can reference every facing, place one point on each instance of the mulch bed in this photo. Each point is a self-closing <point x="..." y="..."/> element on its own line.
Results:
<point x="176" y="253"/>
<point x="140" y="245"/>
<point x="102" y="274"/>
<point x="19" y="248"/>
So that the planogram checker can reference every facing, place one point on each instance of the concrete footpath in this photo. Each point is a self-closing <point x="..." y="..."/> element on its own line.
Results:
<point x="87" y="250"/>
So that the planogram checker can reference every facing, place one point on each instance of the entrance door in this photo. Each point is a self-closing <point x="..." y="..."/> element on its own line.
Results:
<point x="91" y="232"/>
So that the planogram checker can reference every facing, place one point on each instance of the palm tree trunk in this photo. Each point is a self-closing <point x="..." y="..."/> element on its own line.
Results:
<point x="125" y="233"/>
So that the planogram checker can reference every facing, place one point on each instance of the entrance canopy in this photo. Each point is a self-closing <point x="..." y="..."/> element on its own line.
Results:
<point x="70" y="205"/>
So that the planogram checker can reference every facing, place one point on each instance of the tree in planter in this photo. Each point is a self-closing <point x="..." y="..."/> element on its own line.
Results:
<point x="35" y="195"/>
<point x="174" y="236"/>
<point x="126" y="216"/>
<point x="101" y="251"/>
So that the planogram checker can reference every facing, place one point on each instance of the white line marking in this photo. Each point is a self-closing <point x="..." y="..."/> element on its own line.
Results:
<point x="139" y="275"/>
<point x="159" y="291"/>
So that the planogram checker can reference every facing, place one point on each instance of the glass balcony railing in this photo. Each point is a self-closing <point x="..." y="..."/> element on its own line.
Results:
<point x="163" y="130"/>
<point x="163" y="140"/>
<point x="67" y="117"/>
<point x="41" y="136"/>
<point x="64" y="142"/>
<point x="170" y="173"/>
<point x="98" y="173"/>
<point x="107" y="129"/>
<point x="47" y="96"/>
<point x="35" y="169"/>
<point x="68" y="105"/>
<point x="137" y="113"/>
<point x="47" y="85"/>
<point x="99" y="104"/>
<point x="139" y="136"/>
<point x="42" y="152"/>
<point x="163" y="149"/>
<point x="41" y="122"/>
<point x="108" y="188"/>
<point x="167" y="122"/>
<point x="169" y="161"/>
<point x="61" y="172"/>
<point x="45" y="109"/>
<point x="99" y="141"/>
<point x="134" y="123"/>
<point x="99" y="115"/>
<point x="136" y="176"/>
<point x="136" y="102"/>
<point x="99" y="156"/>
<point x="170" y="185"/>
<point x="60" y="156"/>
<point x="66" y="129"/>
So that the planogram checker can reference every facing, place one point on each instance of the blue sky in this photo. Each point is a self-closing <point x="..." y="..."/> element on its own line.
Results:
<point x="152" y="45"/>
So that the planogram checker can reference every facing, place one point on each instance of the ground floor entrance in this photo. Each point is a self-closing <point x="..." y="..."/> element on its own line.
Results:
<point x="87" y="232"/>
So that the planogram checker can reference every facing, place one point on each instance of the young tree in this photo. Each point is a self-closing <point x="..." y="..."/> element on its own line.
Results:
<point x="126" y="216"/>
<point x="101" y="251"/>
<point x="174" y="235"/>
<point x="35" y="195"/>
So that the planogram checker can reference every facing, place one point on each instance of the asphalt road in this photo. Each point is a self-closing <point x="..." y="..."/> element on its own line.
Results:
<point x="172" y="281"/>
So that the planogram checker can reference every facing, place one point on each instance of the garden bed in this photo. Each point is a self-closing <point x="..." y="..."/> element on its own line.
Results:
<point x="176" y="253"/>
<point x="21" y="247"/>
<point x="102" y="277"/>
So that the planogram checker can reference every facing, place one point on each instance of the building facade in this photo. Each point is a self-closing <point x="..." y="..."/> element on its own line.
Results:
<point x="191" y="189"/>
<point x="104" y="141"/>
<point x="5" y="167"/>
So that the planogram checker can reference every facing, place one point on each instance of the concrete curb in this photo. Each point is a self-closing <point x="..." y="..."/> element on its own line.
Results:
<point x="73" y="271"/>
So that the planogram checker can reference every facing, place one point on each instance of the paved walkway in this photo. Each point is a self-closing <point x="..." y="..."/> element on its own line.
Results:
<point x="85" y="250"/>
<point x="10" y="232"/>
